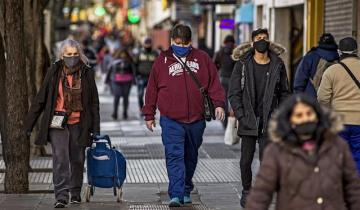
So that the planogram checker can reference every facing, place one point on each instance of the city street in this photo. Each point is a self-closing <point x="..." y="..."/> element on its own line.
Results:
<point x="217" y="178"/>
<point x="282" y="75"/>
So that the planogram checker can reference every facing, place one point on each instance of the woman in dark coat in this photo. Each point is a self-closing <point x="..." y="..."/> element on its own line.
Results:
<point x="69" y="102"/>
<point x="120" y="77"/>
<point x="307" y="165"/>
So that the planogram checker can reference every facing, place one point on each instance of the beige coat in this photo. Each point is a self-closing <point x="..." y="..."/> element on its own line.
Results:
<point x="338" y="91"/>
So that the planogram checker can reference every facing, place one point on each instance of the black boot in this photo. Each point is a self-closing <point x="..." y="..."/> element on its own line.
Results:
<point x="114" y="116"/>
<point x="125" y="116"/>
<point x="244" y="195"/>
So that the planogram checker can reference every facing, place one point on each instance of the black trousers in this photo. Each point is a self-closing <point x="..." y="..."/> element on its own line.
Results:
<point x="141" y="83"/>
<point x="121" y="89"/>
<point x="248" y="147"/>
<point x="225" y="84"/>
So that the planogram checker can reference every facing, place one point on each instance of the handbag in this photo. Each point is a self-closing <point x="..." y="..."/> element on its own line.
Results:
<point x="59" y="120"/>
<point x="209" y="109"/>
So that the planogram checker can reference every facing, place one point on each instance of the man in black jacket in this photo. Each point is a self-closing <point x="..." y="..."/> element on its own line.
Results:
<point x="258" y="84"/>
<point x="144" y="62"/>
<point x="225" y="65"/>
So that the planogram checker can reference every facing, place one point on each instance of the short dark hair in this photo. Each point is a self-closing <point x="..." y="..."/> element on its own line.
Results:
<point x="259" y="31"/>
<point x="182" y="32"/>
<point x="229" y="38"/>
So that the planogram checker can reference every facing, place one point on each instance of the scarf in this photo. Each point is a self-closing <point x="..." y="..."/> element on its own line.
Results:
<point x="72" y="95"/>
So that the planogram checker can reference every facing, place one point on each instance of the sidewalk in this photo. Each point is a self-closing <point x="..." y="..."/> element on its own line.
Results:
<point x="217" y="179"/>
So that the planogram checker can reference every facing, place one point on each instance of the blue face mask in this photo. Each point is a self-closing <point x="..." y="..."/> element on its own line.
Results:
<point x="181" y="51"/>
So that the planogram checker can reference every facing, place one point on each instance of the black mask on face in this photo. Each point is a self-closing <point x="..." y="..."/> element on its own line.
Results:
<point x="71" y="61"/>
<point x="262" y="46"/>
<point x="148" y="49"/>
<point x="305" y="129"/>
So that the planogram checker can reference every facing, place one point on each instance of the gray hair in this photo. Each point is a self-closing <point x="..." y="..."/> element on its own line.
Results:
<point x="72" y="43"/>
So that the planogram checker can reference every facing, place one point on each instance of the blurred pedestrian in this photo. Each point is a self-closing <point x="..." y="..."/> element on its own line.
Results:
<point x="225" y="65"/>
<point x="89" y="52"/>
<point x="106" y="60"/>
<point x="144" y="62"/>
<point x="113" y="41"/>
<point x="307" y="164"/>
<point x="120" y="77"/>
<point x="340" y="90"/>
<point x="312" y="66"/>
<point x="205" y="48"/>
<point x="160" y="49"/>
<point x="69" y="102"/>
<point x="181" y="105"/>
<point x="258" y="85"/>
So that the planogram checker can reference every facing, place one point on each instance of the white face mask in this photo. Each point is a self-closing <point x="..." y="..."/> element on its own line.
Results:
<point x="341" y="53"/>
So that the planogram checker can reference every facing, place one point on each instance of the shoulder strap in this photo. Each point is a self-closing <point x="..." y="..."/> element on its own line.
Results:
<point x="193" y="76"/>
<point x="350" y="73"/>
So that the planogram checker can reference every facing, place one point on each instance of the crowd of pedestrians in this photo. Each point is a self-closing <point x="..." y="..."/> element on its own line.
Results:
<point x="309" y="140"/>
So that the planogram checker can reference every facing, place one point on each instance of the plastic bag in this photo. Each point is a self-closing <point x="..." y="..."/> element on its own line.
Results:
<point x="231" y="136"/>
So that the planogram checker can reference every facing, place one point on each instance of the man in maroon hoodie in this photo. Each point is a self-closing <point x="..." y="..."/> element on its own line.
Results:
<point x="172" y="90"/>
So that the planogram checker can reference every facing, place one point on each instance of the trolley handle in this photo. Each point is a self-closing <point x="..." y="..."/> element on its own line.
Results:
<point x="102" y="139"/>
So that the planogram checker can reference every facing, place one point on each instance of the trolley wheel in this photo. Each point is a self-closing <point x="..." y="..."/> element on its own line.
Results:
<point x="115" y="191"/>
<point x="88" y="193"/>
<point x="119" y="195"/>
<point x="92" y="190"/>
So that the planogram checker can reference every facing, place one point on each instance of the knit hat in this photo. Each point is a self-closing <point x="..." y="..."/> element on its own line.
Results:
<point x="148" y="40"/>
<point x="348" y="45"/>
<point x="327" y="42"/>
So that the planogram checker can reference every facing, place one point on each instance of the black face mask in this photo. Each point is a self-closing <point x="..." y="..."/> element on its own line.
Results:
<point x="148" y="49"/>
<point x="71" y="61"/>
<point x="305" y="129"/>
<point x="262" y="46"/>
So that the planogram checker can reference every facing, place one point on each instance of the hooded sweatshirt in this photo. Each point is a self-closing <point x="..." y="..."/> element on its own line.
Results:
<point x="172" y="90"/>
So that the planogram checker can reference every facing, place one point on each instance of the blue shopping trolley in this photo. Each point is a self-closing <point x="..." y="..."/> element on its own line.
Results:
<point x="106" y="167"/>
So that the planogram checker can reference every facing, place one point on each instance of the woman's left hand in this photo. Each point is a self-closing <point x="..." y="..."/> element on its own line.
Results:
<point x="220" y="113"/>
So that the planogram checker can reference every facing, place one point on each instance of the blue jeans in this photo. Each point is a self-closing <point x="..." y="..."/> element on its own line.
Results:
<point x="352" y="135"/>
<point x="182" y="142"/>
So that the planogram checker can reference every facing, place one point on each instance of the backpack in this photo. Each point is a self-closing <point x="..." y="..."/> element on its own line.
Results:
<point x="320" y="69"/>
<point x="145" y="62"/>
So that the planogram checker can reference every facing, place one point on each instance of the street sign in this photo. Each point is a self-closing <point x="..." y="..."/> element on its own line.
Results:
<point x="217" y="1"/>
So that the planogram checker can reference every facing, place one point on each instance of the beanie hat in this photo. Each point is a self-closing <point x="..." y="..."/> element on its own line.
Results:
<point x="327" y="41"/>
<point x="348" y="45"/>
<point x="148" y="41"/>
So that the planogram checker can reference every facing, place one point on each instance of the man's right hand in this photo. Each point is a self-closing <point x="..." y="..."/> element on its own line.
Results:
<point x="150" y="125"/>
